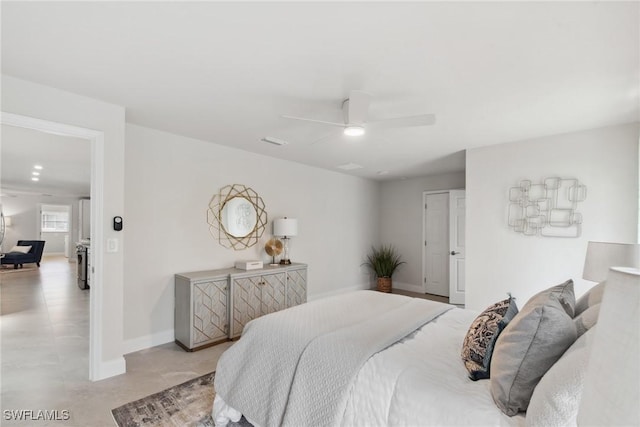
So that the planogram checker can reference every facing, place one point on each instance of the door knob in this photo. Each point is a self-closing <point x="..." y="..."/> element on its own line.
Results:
<point x="454" y="253"/>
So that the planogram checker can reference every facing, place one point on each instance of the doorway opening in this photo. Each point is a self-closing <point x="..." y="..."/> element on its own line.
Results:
<point x="96" y="141"/>
<point x="444" y="244"/>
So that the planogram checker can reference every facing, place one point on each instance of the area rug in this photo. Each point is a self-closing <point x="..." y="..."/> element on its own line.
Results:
<point x="186" y="404"/>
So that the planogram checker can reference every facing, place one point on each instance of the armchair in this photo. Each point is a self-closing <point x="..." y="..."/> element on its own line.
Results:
<point x="33" y="256"/>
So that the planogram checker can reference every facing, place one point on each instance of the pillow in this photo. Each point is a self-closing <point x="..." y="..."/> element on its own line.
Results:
<point x="530" y="344"/>
<point x="556" y="399"/>
<point x="587" y="319"/>
<point x="21" y="249"/>
<point x="591" y="298"/>
<point x="564" y="294"/>
<point x="478" y="344"/>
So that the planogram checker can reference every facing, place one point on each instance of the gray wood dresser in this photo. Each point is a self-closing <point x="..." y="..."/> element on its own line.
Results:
<point x="214" y="306"/>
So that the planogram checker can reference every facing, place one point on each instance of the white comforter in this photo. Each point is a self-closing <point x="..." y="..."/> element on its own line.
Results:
<point x="421" y="381"/>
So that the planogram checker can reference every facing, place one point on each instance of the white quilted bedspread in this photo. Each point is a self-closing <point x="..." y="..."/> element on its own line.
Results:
<point x="296" y="367"/>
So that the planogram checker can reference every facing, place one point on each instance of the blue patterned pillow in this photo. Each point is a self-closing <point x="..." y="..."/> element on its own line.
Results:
<point x="478" y="344"/>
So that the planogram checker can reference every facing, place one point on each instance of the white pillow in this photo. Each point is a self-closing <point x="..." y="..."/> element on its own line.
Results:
<point x="587" y="319"/>
<point x="21" y="249"/>
<point x="592" y="297"/>
<point x="556" y="398"/>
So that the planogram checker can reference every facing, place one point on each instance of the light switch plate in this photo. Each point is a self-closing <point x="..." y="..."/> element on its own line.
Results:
<point x="112" y="245"/>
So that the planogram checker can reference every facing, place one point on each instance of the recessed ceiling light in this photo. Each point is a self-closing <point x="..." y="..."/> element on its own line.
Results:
<point x="35" y="178"/>
<point x="349" y="166"/>
<point x="34" y="173"/>
<point x="39" y="167"/>
<point x="274" y="141"/>
<point x="354" y="131"/>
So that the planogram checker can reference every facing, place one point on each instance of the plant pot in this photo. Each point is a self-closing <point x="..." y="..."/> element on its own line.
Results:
<point x="384" y="284"/>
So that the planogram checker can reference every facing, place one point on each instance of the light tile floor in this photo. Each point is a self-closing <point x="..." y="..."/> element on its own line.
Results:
<point x="44" y="347"/>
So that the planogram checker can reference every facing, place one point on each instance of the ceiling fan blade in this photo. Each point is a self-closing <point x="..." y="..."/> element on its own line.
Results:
<point x="407" y="121"/>
<point x="358" y="107"/>
<point x="324" y="138"/>
<point x="313" y="120"/>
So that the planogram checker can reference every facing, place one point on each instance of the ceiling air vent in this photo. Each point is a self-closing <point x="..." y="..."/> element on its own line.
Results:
<point x="274" y="141"/>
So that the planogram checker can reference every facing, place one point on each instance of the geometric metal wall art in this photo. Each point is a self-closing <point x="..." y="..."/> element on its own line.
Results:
<point x="547" y="209"/>
<point x="236" y="217"/>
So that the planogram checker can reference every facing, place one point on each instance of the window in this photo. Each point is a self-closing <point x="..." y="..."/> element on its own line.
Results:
<point x="55" y="222"/>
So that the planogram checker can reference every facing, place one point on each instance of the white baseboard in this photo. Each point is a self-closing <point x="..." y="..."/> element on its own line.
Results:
<point x="148" y="341"/>
<point x="337" y="292"/>
<point x="111" y="368"/>
<point x="408" y="287"/>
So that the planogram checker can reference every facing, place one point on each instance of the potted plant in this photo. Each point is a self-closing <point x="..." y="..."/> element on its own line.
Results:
<point x="383" y="261"/>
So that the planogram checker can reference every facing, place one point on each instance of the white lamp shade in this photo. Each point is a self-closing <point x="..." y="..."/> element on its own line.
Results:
<point x="285" y="227"/>
<point x="601" y="256"/>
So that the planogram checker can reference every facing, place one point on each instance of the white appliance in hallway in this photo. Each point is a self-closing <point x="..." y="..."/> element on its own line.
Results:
<point x="83" y="252"/>
<point x="84" y="218"/>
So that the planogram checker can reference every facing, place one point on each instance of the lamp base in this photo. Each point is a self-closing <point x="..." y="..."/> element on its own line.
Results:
<point x="285" y="262"/>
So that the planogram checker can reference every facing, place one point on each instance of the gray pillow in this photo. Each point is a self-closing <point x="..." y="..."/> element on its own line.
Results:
<point x="591" y="298"/>
<point x="530" y="344"/>
<point x="564" y="293"/>
<point x="587" y="319"/>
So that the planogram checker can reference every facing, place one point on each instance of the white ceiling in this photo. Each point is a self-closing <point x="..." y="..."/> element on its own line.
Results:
<point x="225" y="72"/>
<point x="65" y="161"/>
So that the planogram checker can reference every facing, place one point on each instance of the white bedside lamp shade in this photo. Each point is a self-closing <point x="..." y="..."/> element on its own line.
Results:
<point x="601" y="256"/>
<point x="611" y="390"/>
<point x="285" y="227"/>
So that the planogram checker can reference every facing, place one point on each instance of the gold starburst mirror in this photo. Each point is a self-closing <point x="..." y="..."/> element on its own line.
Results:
<point x="236" y="217"/>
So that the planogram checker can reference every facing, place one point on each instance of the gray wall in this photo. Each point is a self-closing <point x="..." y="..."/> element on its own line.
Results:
<point x="166" y="221"/>
<point x="401" y="220"/>
<point x="500" y="260"/>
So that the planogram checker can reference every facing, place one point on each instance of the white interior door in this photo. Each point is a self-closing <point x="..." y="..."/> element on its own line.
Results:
<point x="436" y="279"/>
<point x="456" y="246"/>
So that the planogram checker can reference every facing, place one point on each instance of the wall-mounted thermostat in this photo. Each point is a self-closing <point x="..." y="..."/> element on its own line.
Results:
<point x="117" y="223"/>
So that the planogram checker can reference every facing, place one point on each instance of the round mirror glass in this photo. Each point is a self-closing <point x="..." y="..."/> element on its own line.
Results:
<point x="239" y="216"/>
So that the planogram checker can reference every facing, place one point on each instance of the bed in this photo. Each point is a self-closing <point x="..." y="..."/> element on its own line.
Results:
<point x="371" y="359"/>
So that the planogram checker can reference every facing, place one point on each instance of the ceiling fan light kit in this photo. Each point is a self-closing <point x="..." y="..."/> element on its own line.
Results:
<point x="355" y="110"/>
<point x="354" y="131"/>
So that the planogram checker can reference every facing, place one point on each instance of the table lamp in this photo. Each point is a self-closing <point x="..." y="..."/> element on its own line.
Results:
<point x="285" y="228"/>
<point x="601" y="256"/>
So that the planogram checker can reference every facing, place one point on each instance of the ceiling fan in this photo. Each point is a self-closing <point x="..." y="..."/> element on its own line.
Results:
<point x="355" y="109"/>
